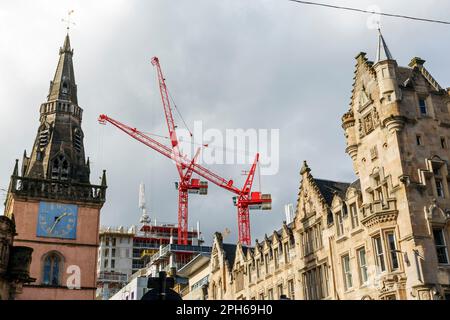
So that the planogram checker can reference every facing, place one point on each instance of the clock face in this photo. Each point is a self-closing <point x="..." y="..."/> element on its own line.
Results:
<point x="57" y="220"/>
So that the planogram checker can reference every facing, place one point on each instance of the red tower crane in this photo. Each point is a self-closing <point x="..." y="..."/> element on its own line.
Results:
<point x="186" y="185"/>
<point x="244" y="200"/>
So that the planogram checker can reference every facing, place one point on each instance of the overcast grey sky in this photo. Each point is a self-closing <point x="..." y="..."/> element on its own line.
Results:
<point x="232" y="64"/>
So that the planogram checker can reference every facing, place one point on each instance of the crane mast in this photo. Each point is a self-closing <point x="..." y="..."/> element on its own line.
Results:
<point x="185" y="184"/>
<point x="168" y="113"/>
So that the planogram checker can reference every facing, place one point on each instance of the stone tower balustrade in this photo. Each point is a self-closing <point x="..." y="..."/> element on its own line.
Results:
<point x="57" y="190"/>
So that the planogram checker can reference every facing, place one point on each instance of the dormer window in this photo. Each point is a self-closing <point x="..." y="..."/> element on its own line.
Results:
<point x="339" y="224"/>
<point x="344" y="210"/>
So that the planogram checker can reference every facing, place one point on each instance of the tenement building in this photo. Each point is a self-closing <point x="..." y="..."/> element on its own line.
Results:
<point x="383" y="236"/>
<point x="55" y="207"/>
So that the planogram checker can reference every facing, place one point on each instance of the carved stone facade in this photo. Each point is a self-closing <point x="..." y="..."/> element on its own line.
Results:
<point x="384" y="236"/>
<point x="14" y="262"/>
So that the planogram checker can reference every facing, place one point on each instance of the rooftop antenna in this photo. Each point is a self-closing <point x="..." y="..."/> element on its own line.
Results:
<point x="69" y="21"/>
<point x="145" y="219"/>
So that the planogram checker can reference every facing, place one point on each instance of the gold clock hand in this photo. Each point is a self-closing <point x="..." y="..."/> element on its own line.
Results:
<point x="53" y="226"/>
<point x="57" y="221"/>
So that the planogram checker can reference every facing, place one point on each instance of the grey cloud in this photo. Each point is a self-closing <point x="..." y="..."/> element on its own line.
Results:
<point x="232" y="64"/>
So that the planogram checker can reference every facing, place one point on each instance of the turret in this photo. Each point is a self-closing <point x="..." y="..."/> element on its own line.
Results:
<point x="386" y="69"/>
<point x="348" y="124"/>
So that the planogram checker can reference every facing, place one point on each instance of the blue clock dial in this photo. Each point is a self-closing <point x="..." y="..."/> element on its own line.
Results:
<point x="57" y="220"/>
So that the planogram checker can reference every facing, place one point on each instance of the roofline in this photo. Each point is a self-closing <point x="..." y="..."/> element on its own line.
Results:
<point x="193" y="262"/>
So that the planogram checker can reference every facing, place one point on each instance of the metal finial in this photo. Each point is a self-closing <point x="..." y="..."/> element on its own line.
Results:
<point x="69" y="21"/>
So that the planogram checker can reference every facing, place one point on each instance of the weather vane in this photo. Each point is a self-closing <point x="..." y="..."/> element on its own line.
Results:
<point x="69" y="21"/>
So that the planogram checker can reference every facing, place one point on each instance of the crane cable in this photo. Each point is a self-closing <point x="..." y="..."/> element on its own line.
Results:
<point x="179" y="113"/>
<point x="235" y="151"/>
<point x="205" y="145"/>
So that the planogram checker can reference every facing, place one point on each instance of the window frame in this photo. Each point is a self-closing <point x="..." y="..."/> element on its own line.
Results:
<point x="354" y="215"/>
<point x="347" y="272"/>
<point x="439" y="190"/>
<point x="270" y="294"/>
<point x="363" y="269"/>
<point x="339" y="223"/>
<point x="280" y="290"/>
<point x="266" y="262"/>
<point x="52" y="255"/>
<point x="444" y="246"/>
<point x="276" y="257"/>
<point x="286" y="252"/>
<point x="393" y="253"/>
<point x="380" y="263"/>
<point x="423" y="107"/>
<point x="291" y="289"/>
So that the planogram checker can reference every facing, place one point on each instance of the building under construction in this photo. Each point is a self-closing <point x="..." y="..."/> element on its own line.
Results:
<point x="125" y="251"/>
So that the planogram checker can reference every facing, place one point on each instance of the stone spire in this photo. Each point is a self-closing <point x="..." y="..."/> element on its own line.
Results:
<point x="58" y="151"/>
<point x="63" y="86"/>
<point x="383" y="52"/>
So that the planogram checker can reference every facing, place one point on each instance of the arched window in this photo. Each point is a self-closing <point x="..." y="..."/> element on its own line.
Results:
<point x="52" y="263"/>
<point x="65" y="87"/>
<point x="60" y="168"/>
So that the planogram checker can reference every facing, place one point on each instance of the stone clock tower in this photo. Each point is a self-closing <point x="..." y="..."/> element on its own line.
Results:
<point x="54" y="204"/>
